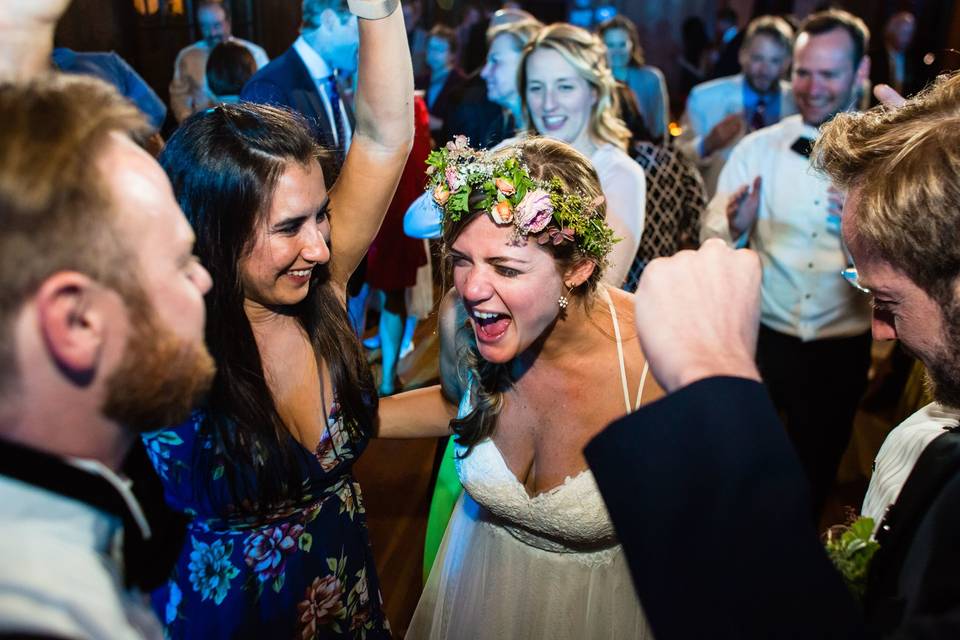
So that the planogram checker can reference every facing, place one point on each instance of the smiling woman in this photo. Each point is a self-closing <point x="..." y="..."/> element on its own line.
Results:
<point x="278" y="543"/>
<point x="567" y="93"/>
<point x="529" y="341"/>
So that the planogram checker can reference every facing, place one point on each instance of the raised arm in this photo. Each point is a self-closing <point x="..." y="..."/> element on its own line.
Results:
<point x="381" y="142"/>
<point x="26" y="36"/>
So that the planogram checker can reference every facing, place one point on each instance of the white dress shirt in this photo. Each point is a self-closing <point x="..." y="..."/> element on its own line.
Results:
<point x="899" y="453"/>
<point x="803" y="293"/>
<point x="60" y="565"/>
<point x="319" y="70"/>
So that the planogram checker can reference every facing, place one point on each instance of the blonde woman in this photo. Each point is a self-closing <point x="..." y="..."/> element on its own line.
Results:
<point x="541" y="354"/>
<point x="567" y="93"/>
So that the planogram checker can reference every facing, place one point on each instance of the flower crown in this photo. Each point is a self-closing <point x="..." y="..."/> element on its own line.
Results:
<point x="511" y="197"/>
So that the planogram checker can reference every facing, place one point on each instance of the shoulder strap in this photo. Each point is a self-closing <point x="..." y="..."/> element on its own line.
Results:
<point x="623" y="366"/>
<point x="643" y="380"/>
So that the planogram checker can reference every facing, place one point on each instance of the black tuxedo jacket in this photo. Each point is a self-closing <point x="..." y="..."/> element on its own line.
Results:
<point x="712" y="508"/>
<point x="286" y="82"/>
<point x="880" y="71"/>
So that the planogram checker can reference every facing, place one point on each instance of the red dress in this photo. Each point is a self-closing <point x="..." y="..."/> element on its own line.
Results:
<point x="393" y="257"/>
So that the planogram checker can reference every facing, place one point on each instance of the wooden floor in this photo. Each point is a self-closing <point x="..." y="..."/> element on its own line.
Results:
<point x="395" y="476"/>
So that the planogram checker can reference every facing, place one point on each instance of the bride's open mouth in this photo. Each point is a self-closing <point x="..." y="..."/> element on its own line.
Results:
<point x="490" y="326"/>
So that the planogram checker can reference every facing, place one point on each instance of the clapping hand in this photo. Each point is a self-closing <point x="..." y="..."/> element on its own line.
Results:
<point x="723" y="133"/>
<point x="698" y="313"/>
<point x="742" y="208"/>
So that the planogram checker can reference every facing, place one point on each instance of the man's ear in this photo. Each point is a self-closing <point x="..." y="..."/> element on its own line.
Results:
<point x="72" y="323"/>
<point x="578" y="273"/>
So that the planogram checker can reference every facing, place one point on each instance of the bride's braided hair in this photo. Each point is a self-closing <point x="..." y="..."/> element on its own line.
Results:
<point x="546" y="159"/>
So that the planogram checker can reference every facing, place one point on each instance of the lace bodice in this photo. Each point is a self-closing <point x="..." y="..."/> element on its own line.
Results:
<point x="571" y="517"/>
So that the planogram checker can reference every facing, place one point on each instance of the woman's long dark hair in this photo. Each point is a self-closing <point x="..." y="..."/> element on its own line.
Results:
<point x="224" y="164"/>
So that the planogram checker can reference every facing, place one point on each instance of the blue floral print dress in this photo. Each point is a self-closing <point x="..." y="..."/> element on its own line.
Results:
<point x="302" y="571"/>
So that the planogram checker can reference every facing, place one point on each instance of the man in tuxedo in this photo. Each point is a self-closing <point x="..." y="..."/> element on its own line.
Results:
<point x="721" y="111"/>
<point x="814" y="343"/>
<point x="729" y="40"/>
<point x="311" y="76"/>
<point x="101" y="338"/>
<point x="893" y="61"/>
<point x="705" y="492"/>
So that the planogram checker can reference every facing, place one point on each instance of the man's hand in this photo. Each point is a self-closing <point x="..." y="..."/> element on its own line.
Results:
<point x="723" y="133"/>
<point x="888" y="96"/>
<point x="742" y="208"/>
<point x="698" y="313"/>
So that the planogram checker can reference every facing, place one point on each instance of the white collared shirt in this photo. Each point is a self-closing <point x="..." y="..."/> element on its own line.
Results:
<point x="319" y="70"/>
<point x="899" y="453"/>
<point x="60" y="562"/>
<point x="803" y="293"/>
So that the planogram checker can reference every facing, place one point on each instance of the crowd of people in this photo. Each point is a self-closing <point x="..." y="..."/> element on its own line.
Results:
<point x="642" y="433"/>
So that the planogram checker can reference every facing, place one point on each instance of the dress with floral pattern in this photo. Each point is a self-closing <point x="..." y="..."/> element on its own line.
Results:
<point x="301" y="571"/>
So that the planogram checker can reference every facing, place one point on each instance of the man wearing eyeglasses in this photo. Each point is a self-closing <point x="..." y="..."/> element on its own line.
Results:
<point x="814" y="342"/>
<point x="710" y="465"/>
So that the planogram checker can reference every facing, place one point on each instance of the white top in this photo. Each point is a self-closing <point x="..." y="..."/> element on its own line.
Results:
<point x="623" y="184"/>
<point x="899" y="454"/>
<point x="189" y="92"/>
<point x="319" y="71"/>
<point x="803" y="293"/>
<point x="625" y="188"/>
<point x="60" y="566"/>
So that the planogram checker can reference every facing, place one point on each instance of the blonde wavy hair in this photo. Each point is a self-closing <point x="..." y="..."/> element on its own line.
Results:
<point x="585" y="53"/>
<point x="905" y="165"/>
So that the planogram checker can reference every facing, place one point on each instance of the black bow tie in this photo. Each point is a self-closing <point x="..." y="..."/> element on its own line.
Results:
<point x="803" y="145"/>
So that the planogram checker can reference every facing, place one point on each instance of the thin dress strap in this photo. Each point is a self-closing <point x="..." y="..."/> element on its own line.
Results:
<point x="623" y="366"/>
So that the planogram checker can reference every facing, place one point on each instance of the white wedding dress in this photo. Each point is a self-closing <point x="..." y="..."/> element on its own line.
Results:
<point x="514" y="566"/>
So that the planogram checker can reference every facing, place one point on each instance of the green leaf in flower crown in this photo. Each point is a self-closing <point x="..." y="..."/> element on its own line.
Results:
<point x="459" y="201"/>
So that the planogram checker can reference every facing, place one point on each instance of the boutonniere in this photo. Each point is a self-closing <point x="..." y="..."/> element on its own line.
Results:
<point x="851" y="548"/>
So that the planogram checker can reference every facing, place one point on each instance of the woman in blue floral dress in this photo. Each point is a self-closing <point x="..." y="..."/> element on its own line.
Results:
<point x="277" y="546"/>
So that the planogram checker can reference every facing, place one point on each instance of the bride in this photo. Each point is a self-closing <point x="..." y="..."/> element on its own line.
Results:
<point x="542" y="356"/>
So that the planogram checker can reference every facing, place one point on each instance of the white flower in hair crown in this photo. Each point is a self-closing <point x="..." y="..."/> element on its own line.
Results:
<point x="504" y="189"/>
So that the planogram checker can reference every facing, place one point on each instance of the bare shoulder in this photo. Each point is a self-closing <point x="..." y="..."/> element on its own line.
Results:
<point x="624" y="302"/>
<point x="635" y="360"/>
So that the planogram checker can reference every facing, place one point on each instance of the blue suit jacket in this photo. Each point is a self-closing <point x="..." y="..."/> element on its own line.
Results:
<point x="110" y="67"/>
<point x="286" y="82"/>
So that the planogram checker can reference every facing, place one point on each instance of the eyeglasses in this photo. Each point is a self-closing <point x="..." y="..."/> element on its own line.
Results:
<point x="853" y="279"/>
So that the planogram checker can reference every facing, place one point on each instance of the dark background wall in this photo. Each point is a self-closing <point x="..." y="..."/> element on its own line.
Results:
<point x="150" y="42"/>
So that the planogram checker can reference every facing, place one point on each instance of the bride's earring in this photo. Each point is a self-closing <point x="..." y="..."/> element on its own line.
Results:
<point x="563" y="300"/>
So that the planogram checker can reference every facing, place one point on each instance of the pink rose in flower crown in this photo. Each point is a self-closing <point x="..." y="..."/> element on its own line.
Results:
<point x="534" y="211"/>
<point x="441" y="194"/>
<point x="454" y="181"/>
<point x="502" y="212"/>
<point x="505" y="187"/>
